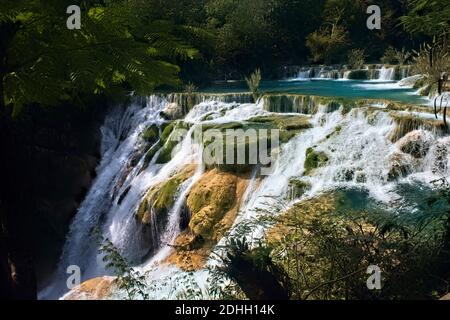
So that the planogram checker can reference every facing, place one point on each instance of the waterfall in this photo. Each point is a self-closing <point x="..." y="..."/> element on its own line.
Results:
<point x="387" y="74"/>
<point x="339" y="72"/>
<point x="304" y="74"/>
<point x="358" y="144"/>
<point x="120" y="140"/>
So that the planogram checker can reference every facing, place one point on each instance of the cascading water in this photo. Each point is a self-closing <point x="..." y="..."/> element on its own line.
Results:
<point x="387" y="74"/>
<point x="100" y="210"/>
<point x="358" y="146"/>
<point x="304" y="74"/>
<point x="371" y="72"/>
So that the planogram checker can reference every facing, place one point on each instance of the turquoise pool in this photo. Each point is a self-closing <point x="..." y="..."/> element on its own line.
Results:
<point x="334" y="88"/>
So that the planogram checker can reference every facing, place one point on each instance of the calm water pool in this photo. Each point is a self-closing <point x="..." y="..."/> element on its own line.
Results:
<point x="333" y="88"/>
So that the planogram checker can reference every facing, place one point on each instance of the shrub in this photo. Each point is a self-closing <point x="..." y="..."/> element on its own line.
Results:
<point x="253" y="83"/>
<point x="356" y="58"/>
<point x="389" y="56"/>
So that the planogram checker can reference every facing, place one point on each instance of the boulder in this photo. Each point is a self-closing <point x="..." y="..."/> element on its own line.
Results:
<point x="214" y="202"/>
<point x="173" y="111"/>
<point x="440" y="153"/>
<point x="160" y="198"/>
<point x="446" y="297"/>
<point x="399" y="166"/>
<point x="416" y="143"/>
<point x="314" y="159"/>
<point x="410" y="81"/>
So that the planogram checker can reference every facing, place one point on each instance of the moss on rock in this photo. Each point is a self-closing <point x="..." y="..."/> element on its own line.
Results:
<point x="160" y="198"/>
<point x="167" y="144"/>
<point x="151" y="134"/>
<point x="314" y="159"/>
<point x="298" y="187"/>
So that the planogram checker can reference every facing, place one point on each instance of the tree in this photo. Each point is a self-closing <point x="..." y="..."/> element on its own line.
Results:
<point x="121" y="45"/>
<point x="244" y="41"/>
<point x="428" y="17"/>
<point x="326" y="44"/>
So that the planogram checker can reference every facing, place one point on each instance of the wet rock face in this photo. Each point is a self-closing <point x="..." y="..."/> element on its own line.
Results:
<point x="440" y="154"/>
<point x="211" y="209"/>
<point x="209" y="200"/>
<point x="314" y="159"/>
<point x="399" y="166"/>
<point x="152" y="215"/>
<point x="416" y="143"/>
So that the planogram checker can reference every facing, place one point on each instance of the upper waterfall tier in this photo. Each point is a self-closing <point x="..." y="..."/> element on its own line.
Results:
<point x="367" y="72"/>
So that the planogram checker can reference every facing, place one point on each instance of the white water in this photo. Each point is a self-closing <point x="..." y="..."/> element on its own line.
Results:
<point x="387" y="74"/>
<point x="359" y="156"/>
<point x="380" y="74"/>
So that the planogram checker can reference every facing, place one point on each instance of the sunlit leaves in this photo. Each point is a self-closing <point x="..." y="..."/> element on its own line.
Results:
<point x="122" y="43"/>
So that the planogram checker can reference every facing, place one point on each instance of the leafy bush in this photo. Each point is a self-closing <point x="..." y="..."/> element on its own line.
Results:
<point x="321" y="249"/>
<point x="402" y="56"/>
<point x="356" y="58"/>
<point x="128" y="279"/>
<point x="326" y="44"/>
<point x="389" y="56"/>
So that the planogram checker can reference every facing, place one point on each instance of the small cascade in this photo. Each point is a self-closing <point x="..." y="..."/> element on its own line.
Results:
<point x="387" y="74"/>
<point x="367" y="72"/>
<point x="187" y="101"/>
<point x="304" y="74"/>
<point x="299" y="104"/>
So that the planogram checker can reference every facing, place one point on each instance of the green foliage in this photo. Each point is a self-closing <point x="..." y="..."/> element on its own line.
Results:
<point x="253" y="270"/>
<point x="394" y="56"/>
<point x="128" y="279"/>
<point x="389" y="56"/>
<point x="402" y="56"/>
<point x="314" y="160"/>
<point x="122" y="45"/>
<point x="431" y="61"/>
<point x="327" y="43"/>
<point x="253" y="83"/>
<point x="324" y="246"/>
<point x="427" y="17"/>
<point x="244" y="40"/>
<point x="356" y="58"/>
<point x="190" y="88"/>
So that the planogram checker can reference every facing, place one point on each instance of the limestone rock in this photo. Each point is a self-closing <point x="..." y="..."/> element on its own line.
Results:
<point x="416" y="143"/>
<point x="100" y="288"/>
<point x="173" y="111"/>
<point x="399" y="166"/>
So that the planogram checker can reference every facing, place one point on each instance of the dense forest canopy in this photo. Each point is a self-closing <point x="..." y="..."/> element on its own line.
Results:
<point x="140" y="45"/>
